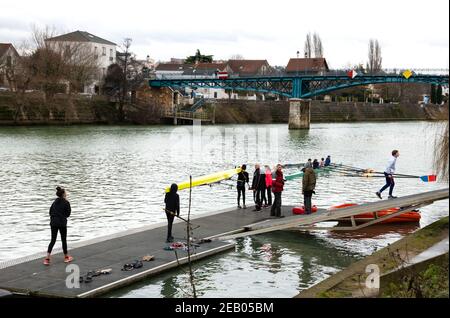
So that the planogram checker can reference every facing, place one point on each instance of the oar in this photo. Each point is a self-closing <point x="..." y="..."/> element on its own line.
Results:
<point x="428" y="178"/>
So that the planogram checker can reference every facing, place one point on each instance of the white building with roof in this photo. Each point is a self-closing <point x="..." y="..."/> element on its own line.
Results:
<point x="103" y="53"/>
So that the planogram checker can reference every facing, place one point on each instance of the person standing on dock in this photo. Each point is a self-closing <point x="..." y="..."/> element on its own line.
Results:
<point x="389" y="174"/>
<point x="258" y="186"/>
<point x="59" y="212"/>
<point x="241" y="181"/>
<point x="269" y="185"/>
<point x="278" y="185"/>
<point x="308" y="186"/>
<point x="172" y="201"/>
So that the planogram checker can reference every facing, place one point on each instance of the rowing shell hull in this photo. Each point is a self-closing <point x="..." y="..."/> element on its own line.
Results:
<point x="208" y="179"/>
<point x="317" y="171"/>
<point x="407" y="217"/>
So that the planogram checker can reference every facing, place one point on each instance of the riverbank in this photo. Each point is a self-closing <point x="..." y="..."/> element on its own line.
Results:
<point x="350" y="282"/>
<point x="32" y="109"/>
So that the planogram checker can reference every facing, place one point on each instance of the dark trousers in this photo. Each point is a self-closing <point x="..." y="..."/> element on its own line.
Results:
<point x="258" y="198"/>
<point x="389" y="183"/>
<point x="241" y="191"/>
<point x="307" y="198"/>
<point x="63" y="231"/>
<point x="269" y="195"/>
<point x="276" y="207"/>
<point x="170" y="218"/>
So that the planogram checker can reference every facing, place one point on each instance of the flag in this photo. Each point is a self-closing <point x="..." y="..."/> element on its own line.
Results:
<point x="352" y="74"/>
<point x="430" y="178"/>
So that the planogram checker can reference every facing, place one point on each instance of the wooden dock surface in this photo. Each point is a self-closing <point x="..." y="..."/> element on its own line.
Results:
<point x="33" y="278"/>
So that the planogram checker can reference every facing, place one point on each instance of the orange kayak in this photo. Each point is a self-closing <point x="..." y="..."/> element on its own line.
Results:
<point x="413" y="216"/>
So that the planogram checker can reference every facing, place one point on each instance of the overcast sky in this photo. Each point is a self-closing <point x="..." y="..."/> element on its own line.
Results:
<point x="412" y="33"/>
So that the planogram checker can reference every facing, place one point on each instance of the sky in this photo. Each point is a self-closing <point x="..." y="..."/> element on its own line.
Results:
<point x="412" y="33"/>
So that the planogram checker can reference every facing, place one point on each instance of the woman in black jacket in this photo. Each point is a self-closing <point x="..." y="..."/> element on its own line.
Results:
<point x="59" y="212"/>
<point x="172" y="201"/>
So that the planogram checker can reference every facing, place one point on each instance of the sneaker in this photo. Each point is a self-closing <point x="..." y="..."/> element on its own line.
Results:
<point x="68" y="259"/>
<point x="378" y="195"/>
<point x="239" y="207"/>
<point x="392" y="197"/>
<point x="245" y="206"/>
<point x="281" y="216"/>
<point x="47" y="261"/>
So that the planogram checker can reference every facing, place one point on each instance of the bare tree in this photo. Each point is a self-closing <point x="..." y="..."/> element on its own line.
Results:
<point x="441" y="158"/>
<point x="236" y="57"/>
<point x="375" y="59"/>
<point x="308" y="46"/>
<point x="317" y="44"/>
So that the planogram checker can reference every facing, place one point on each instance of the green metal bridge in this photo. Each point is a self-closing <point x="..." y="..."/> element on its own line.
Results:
<point x="299" y="86"/>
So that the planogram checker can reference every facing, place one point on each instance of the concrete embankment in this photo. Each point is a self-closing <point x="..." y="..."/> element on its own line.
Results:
<point x="239" y="112"/>
<point x="397" y="272"/>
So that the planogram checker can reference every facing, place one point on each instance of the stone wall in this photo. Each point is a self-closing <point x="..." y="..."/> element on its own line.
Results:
<point x="239" y="112"/>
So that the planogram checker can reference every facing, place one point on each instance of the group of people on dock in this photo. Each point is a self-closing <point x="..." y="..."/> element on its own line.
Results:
<point x="264" y="183"/>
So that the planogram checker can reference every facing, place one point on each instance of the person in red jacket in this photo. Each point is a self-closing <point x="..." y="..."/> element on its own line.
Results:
<point x="277" y="188"/>
<point x="269" y="186"/>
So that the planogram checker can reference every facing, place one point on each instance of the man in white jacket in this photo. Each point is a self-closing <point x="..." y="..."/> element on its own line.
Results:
<point x="388" y="173"/>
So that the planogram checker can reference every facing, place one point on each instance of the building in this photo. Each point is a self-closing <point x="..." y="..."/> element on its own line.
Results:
<point x="102" y="52"/>
<point x="315" y="66"/>
<point x="8" y="58"/>
<point x="249" y="68"/>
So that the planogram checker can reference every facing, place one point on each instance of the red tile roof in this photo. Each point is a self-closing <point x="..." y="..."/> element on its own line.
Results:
<point x="307" y="64"/>
<point x="249" y="67"/>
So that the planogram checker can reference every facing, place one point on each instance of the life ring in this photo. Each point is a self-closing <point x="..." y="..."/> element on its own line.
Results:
<point x="301" y="210"/>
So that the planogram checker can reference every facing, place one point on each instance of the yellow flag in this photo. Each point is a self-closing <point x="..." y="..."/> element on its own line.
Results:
<point x="407" y="74"/>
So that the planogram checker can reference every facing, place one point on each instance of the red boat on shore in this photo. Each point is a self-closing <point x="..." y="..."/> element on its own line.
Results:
<point x="413" y="216"/>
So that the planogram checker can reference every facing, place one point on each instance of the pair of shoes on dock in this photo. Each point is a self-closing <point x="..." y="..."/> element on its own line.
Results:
<point x="242" y="207"/>
<point x="89" y="276"/>
<point x="130" y="266"/>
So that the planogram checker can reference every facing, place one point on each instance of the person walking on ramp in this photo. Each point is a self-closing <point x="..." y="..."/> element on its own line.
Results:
<point x="172" y="201"/>
<point x="59" y="212"/>
<point x="241" y="181"/>
<point x="389" y="174"/>
<point x="258" y="186"/>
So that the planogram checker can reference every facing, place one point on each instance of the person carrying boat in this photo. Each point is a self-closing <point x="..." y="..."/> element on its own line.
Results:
<point x="258" y="187"/>
<point x="172" y="201"/>
<point x="59" y="212"/>
<point x="328" y="161"/>
<point x="308" y="186"/>
<point x="277" y="187"/>
<point x="388" y="173"/>
<point x="241" y="181"/>
<point x="268" y="176"/>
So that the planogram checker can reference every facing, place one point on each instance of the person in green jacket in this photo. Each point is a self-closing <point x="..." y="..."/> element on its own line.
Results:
<point x="308" y="186"/>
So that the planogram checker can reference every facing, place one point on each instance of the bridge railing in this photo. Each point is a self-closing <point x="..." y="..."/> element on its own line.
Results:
<point x="185" y="115"/>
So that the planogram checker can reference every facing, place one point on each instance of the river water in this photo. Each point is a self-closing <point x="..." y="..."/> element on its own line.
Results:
<point x="116" y="175"/>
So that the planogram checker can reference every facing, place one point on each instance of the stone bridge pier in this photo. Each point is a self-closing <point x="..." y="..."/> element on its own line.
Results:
<point x="299" y="113"/>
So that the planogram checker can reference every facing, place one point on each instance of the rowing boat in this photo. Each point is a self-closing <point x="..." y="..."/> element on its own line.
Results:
<point x="317" y="171"/>
<point x="412" y="216"/>
<point x="207" y="179"/>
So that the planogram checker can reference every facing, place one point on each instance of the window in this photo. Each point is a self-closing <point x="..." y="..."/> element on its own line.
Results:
<point x="95" y="53"/>
<point x="104" y="51"/>
<point x="8" y="61"/>
<point x="110" y="52"/>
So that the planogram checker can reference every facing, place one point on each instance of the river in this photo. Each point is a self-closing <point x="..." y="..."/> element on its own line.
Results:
<point x="115" y="176"/>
